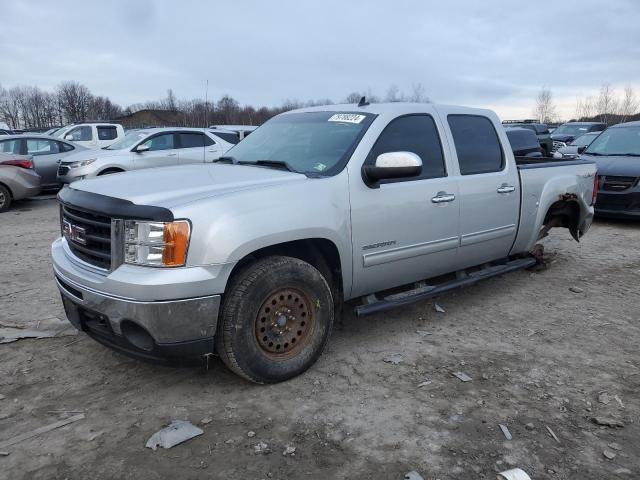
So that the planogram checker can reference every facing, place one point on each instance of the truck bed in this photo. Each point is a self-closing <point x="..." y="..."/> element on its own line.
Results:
<point x="543" y="162"/>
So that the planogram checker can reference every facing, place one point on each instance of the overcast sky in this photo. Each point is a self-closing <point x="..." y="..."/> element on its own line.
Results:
<point x="495" y="54"/>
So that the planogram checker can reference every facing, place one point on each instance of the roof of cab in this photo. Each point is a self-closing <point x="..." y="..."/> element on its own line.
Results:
<point x="627" y="124"/>
<point x="393" y="108"/>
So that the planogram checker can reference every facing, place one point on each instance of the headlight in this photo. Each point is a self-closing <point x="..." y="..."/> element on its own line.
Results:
<point x="156" y="244"/>
<point x="83" y="163"/>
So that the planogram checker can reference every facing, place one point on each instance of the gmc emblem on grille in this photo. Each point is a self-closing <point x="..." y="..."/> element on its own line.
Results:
<point x="74" y="233"/>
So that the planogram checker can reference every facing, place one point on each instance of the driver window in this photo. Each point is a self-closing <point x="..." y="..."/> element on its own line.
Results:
<point x="160" y="142"/>
<point x="80" y="134"/>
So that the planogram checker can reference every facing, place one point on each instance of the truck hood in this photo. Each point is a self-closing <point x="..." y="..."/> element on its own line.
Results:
<point x="616" y="165"/>
<point x="172" y="186"/>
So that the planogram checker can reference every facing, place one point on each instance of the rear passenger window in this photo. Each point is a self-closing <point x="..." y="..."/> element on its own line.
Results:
<point x="107" y="133"/>
<point x="412" y="133"/>
<point x="477" y="144"/>
<point x="191" y="140"/>
<point x="10" y="146"/>
<point x="79" y="134"/>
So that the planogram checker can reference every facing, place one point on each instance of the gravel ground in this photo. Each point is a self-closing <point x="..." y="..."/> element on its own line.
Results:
<point x="540" y="355"/>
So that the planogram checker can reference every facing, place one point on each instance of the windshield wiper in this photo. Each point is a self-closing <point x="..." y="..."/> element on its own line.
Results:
<point x="279" y="164"/>
<point x="624" y="154"/>
<point x="593" y="153"/>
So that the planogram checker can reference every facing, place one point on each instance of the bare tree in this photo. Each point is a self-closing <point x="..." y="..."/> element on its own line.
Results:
<point x="418" y="94"/>
<point x="606" y="105"/>
<point x="545" y="109"/>
<point x="629" y="104"/>
<point x="75" y="100"/>
<point x="394" y="94"/>
<point x="171" y="100"/>
<point x="353" y="97"/>
<point x="10" y="107"/>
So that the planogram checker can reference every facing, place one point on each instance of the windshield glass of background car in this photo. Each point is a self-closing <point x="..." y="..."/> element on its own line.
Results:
<point x="571" y="130"/>
<point x="617" y="141"/>
<point x="311" y="142"/>
<point x="129" y="140"/>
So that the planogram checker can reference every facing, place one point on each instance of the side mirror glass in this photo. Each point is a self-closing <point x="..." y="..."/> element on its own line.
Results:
<point x="143" y="147"/>
<point x="582" y="149"/>
<point x="68" y="137"/>
<point x="392" y="165"/>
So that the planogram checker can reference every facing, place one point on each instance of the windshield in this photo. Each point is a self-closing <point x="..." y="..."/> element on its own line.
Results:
<point x="61" y="131"/>
<point x="584" y="140"/>
<point x="571" y="129"/>
<point x="129" y="140"/>
<point x="310" y="143"/>
<point x="617" y="141"/>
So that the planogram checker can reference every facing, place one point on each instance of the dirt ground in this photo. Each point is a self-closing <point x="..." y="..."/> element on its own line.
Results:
<point x="539" y="354"/>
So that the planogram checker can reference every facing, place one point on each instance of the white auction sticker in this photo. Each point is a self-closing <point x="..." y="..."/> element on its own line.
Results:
<point x="347" y="117"/>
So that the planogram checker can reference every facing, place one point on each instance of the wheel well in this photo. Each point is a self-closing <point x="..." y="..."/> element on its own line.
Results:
<point x="110" y="170"/>
<point x="8" y="189"/>
<point x="319" y="252"/>
<point x="563" y="213"/>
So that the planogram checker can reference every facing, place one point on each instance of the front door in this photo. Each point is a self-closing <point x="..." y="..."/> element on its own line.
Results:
<point x="489" y="191"/>
<point x="162" y="152"/>
<point x="191" y="147"/>
<point x="407" y="229"/>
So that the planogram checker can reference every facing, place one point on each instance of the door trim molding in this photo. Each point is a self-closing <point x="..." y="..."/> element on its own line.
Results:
<point x="486" y="235"/>
<point x="409" y="251"/>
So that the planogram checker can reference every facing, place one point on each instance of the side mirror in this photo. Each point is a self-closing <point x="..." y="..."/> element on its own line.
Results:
<point x="582" y="149"/>
<point x="143" y="147"/>
<point x="68" y="137"/>
<point x="392" y="165"/>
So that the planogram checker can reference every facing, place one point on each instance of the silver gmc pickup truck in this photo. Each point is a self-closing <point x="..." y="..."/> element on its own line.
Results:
<point x="252" y="257"/>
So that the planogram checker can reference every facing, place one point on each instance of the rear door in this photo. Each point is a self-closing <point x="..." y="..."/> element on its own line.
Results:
<point x="489" y="188"/>
<point x="163" y="152"/>
<point x="46" y="156"/>
<point x="191" y="147"/>
<point x="407" y="229"/>
<point x="107" y="134"/>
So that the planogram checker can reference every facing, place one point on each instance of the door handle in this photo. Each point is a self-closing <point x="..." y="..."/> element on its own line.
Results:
<point x="171" y="154"/>
<point x="443" y="197"/>
<point x="213" y="151"/>
<point x="506" y="189"/>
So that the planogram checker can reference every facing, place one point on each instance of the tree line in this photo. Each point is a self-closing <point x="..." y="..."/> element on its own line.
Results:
<point x="30" y="107"/>
<point x="608" y="106"/>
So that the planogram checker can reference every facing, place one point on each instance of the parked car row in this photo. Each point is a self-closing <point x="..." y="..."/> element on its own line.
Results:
<point x="18" y="179"/>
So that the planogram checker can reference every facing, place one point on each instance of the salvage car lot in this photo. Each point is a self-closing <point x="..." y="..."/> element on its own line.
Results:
<point x="539" y="354"/>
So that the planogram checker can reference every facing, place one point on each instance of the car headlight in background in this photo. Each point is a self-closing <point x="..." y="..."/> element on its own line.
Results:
<point x="83" y="163"/>
<point x="156" y="244"/>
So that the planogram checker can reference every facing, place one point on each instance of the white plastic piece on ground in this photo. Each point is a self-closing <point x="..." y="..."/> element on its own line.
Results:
<point x="513" y="474"/>
<point x="413" y="475"/>
<point x="177" y="432"/>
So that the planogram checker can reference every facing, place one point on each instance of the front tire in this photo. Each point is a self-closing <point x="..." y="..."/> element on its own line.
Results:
<point x="276" y="320"/>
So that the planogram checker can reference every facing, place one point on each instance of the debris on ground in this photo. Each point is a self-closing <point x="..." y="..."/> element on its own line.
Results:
<point x="530" y="426"/>
<point x="176" y="432"/>
<point x="394" y="358"/>
<point x="46" y="328"/>
<point x="609" y="454"/>
<point x="619" y="400"/>
<point x="514" y="474"/>
<point x="425" y="383"/>
<point x="289" y="451"/>
<point x="251" y="434"/>
<point x="505" y="431"/>
<point x="552" y="433"/>
<point x="576" y="289"/>
<point x="40" y="431"/>
<point x="413" y="475"/>
<point x="604" y="398"/>
<point x="614" y="446"/>
<point x="261" y="449"/>
<point x="438" y="308"/>
<point x="206" y="420"/>
<point x="462" y="376"/>
<point x="4" y="454"/>
<point x="607" y="422"/>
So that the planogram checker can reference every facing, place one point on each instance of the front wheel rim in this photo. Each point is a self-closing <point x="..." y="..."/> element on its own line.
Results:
<point x="284" y="324"/>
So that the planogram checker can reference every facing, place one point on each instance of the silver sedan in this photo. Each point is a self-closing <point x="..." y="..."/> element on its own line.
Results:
<point x="47" y="153"/>
<point x="18" y="180"/>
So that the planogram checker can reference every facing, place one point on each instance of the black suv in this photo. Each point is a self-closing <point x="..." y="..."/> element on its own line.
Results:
<point x="568" y="132"/>
<point x="540" y="129"/>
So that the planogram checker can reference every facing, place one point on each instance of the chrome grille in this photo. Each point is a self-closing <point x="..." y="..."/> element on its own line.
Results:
<point x="88" y="235"/>
<point x="63" y="170"/>
<point x="557" y="145"/>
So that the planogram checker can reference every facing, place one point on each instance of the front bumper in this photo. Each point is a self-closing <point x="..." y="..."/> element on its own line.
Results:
<point x="625" y="204"/>
<point x="170" y="330"/>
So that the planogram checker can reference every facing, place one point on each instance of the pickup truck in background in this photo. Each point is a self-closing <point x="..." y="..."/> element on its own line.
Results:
<point x="91" y="135"/>
<point x="568" y="132"/>
<point x="252" y="257"/>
